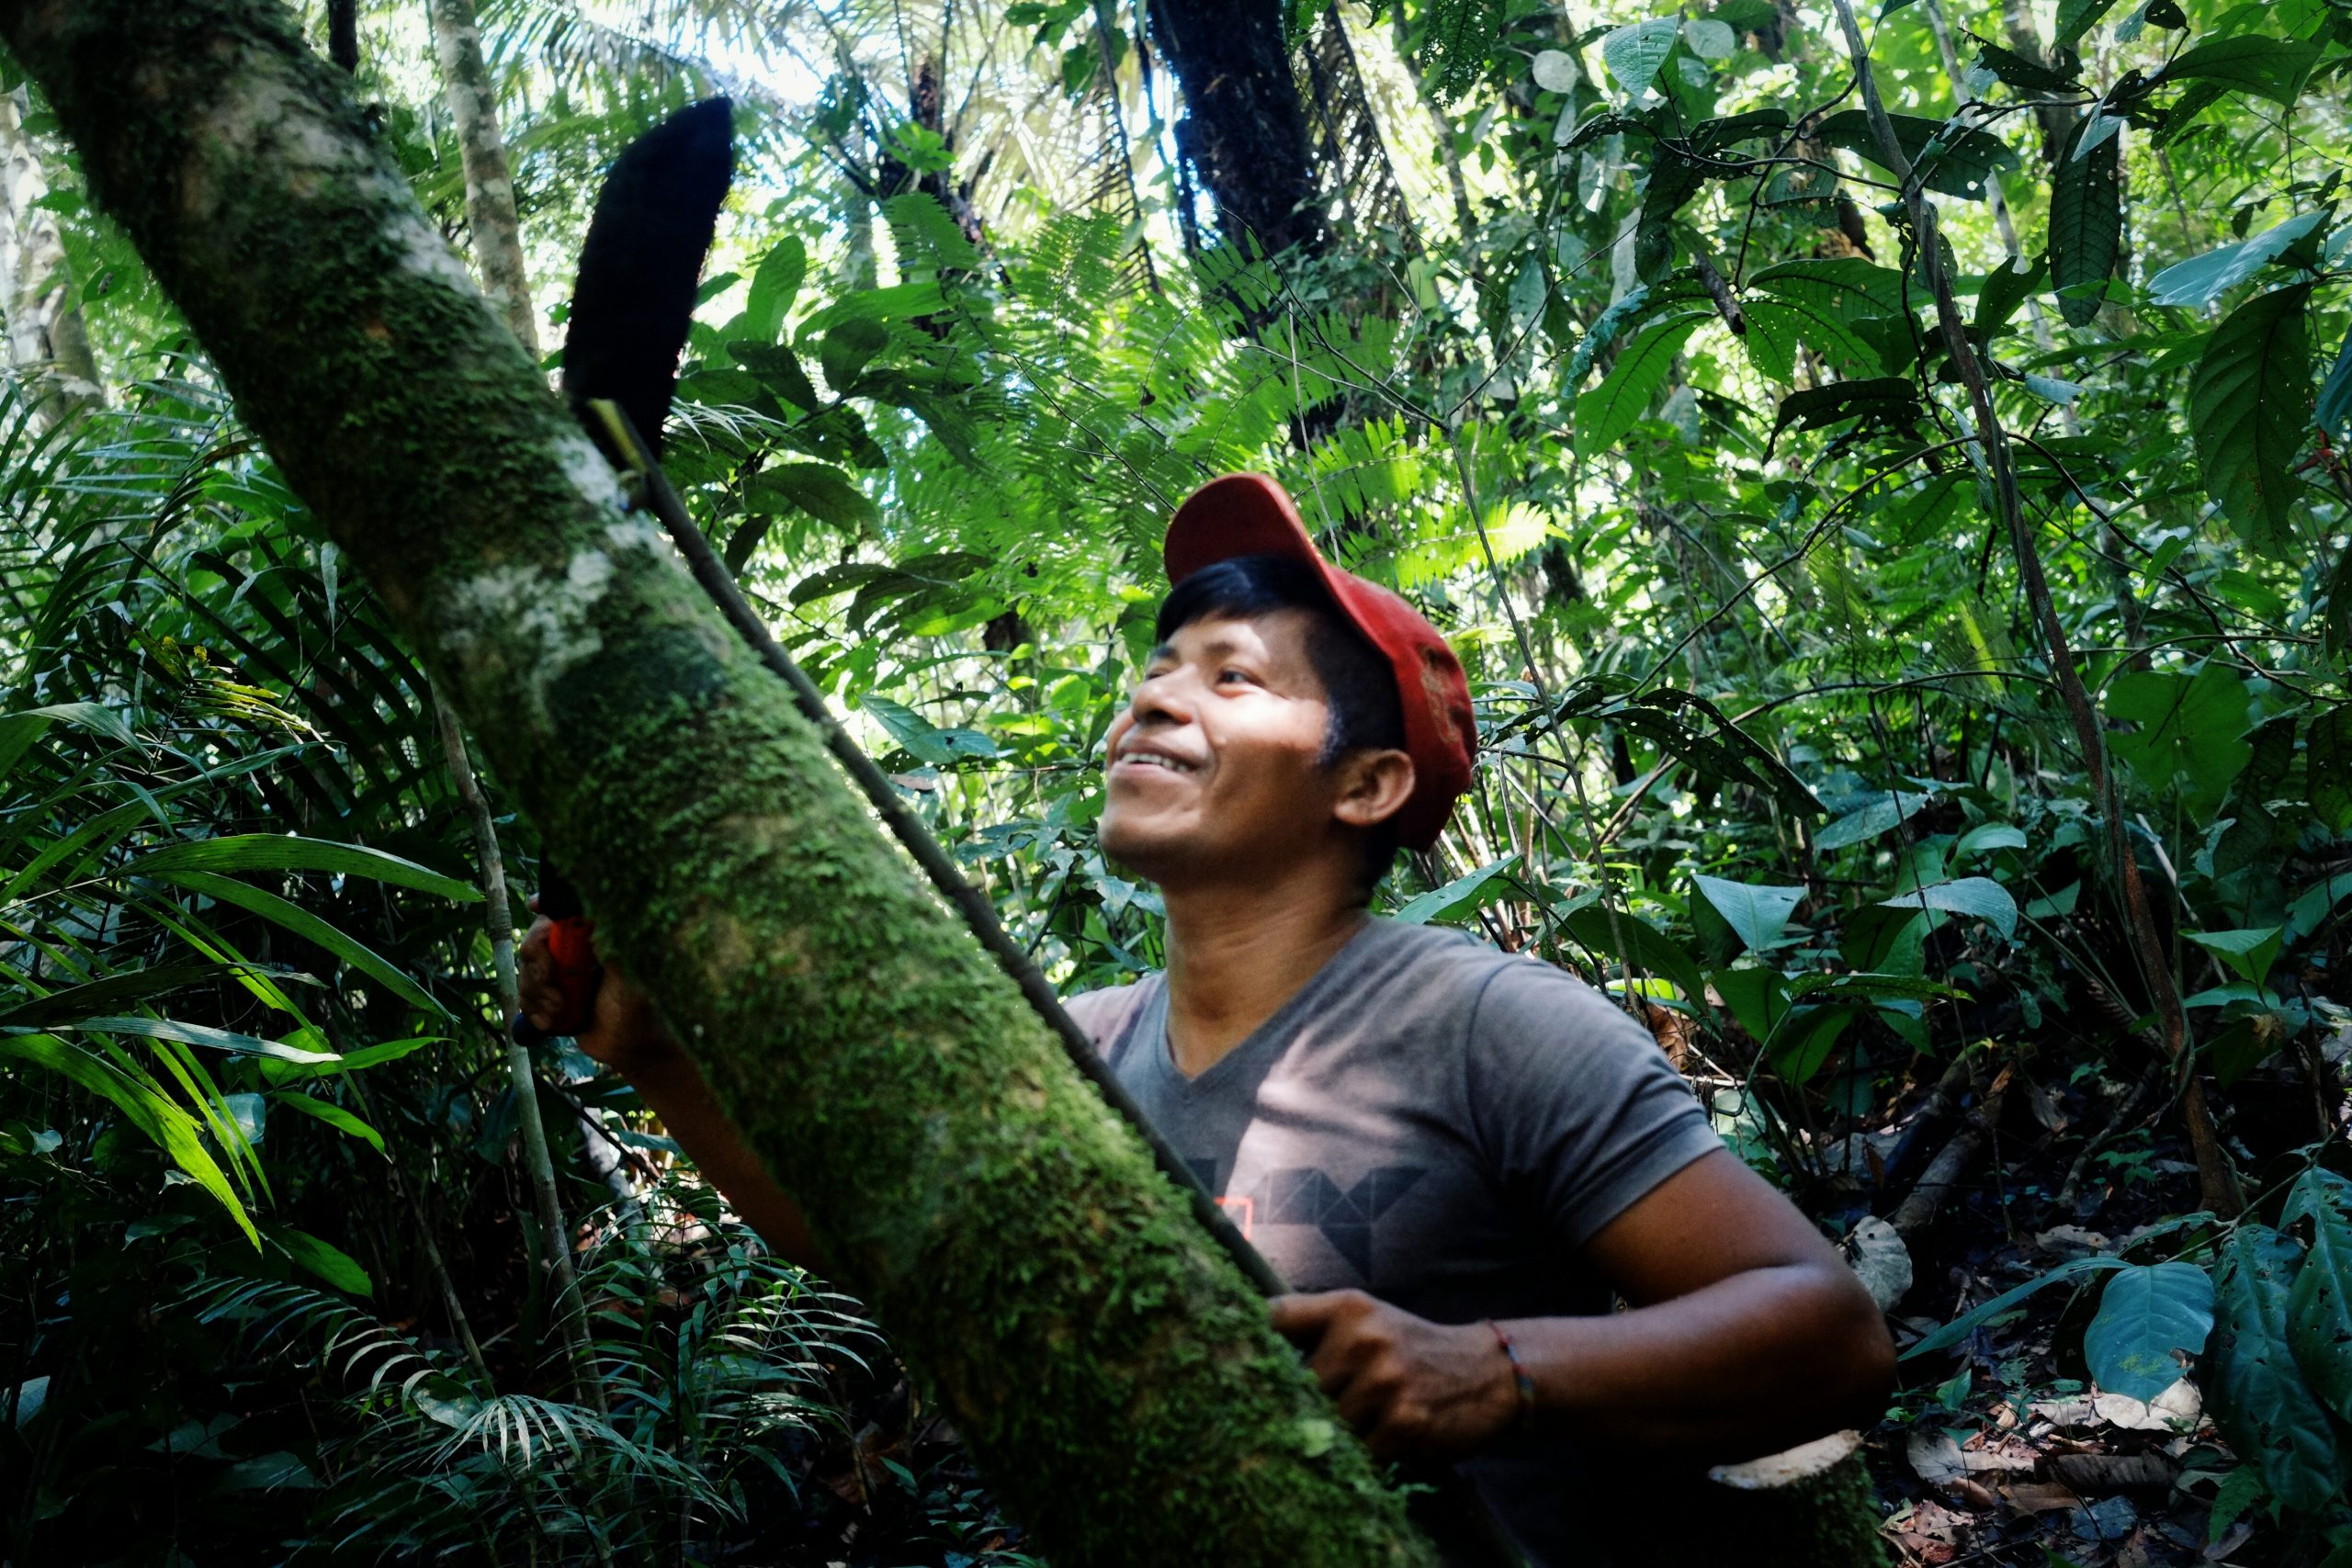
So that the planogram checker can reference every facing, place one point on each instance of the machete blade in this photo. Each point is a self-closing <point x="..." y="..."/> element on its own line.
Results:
<point x="642" y="265"/>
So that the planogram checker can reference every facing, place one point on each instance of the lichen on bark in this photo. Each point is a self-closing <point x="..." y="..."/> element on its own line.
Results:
<point x="1112" y="1372"/>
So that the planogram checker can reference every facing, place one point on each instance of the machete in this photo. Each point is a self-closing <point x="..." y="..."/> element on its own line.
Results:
<point x="641" y="270"/>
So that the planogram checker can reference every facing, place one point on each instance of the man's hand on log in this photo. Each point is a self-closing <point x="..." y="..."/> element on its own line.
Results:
<point x="1411" y="1388"/>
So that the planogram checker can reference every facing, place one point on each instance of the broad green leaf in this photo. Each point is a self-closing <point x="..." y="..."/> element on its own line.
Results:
<point x="848" y="347"/>
<point x="2005" y="288"/>
<point x="2312" y="908"/>
<point x="333" y="1115"/>
<point x="285" y="851"/>
<point x="2086" y="226"/>
<point x="2018" y="72"/>
<point x="350" y="1061"/>
<point x="777" y="369"/>
<point x="2199" y="280"/>
<point x="1758" y="914"/>
<point x="2319" y="1308"/>
<point x="307" y="926"/>
<point x="1870" y="821"/>
<point x="2248" y="953"/>
<point x="2335" y="410"/>
<point x="1817" y="303"/>
<point x="1709" y="39"/>
<point x="329" y="1262"/>
<point x="1634" y="52"/>
<point x="1456" y="898"/>
<point x="774" y="284"/>
<point x="1949" y="159"/>
<point x="2191" y="728"/>
<point x="1889" y="398"/>
<point x="821" y="491"/>
<point x="922" y="738"/>
<point x="2272" y="68"/>
<point x="1960" y="1328"/>
<point x="2254" y="1389"/>
<point x="1649" y="949"/>
<point x="2146" y="1313"/>
<point x="1613" y="408"/>
<point x="2076" y="17"/>
<point x="1979" y="898"/>
<point x="2250" y="408"/>
<point x="1986" y="837"/>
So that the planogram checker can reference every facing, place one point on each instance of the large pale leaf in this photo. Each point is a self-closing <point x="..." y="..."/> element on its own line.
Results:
<point x="2319" y="1308"/>
<point x="2250" y="408"/>
<point x="1634" y="52"/>
<point x="1610" y="409"/>
<point x="2200" y="280"/>
<point x="2146" y="1313"/>
<point x="1458" y="897"/>
<point x="1758" y="914"/>
<point x="2254" y="1389"/>
<point x="2249" y="952"/>
<point x="2086" y="225"/>
<point x="1979" y="898"/>
<point x="1869" y="821"/>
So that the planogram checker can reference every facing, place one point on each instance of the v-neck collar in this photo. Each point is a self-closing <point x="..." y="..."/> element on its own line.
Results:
<point x="1262" y="1040"/>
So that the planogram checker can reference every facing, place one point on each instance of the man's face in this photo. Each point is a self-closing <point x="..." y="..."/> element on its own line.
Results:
<point x="1216" y="766"/>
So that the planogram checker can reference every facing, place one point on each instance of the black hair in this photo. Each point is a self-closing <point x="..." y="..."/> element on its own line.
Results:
<point x="1359" y="684"/>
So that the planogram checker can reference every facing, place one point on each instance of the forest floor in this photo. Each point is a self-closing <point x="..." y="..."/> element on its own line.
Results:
<point x="2012" y="1458"/>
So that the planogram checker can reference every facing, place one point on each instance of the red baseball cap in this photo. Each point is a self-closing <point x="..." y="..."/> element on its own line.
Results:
<point x="1249" y="514"/>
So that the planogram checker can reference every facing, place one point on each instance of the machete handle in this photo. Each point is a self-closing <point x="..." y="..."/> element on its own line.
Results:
<point x="571" y="952"/>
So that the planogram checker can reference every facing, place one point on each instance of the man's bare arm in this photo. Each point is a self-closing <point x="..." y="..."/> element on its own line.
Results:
<point x="630" y="1037"/>
<point x="1747" y="1335"/>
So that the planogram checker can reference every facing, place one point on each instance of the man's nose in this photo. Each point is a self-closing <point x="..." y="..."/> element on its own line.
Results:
<point x="1161" y="697"/>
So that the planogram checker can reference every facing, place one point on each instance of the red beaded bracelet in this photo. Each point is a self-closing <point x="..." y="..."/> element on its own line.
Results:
<point x="1520" y="1378"/>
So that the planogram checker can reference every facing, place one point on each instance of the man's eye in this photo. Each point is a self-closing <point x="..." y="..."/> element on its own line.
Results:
<point x="1226" y="677"/>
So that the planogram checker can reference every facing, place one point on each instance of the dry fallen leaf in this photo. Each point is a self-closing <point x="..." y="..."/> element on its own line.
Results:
<point x="1939" y="1460"/>
<point x="2040" y="1496"/>
<point x="1880" y="1260"/>
<point x="2175" y="1409"/>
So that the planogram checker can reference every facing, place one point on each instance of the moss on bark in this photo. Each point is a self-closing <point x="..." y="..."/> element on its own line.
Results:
<point x="1114" y="1374"/>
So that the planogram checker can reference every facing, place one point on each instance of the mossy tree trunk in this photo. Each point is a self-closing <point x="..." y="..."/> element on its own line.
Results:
<point x="1112" y="1371"/>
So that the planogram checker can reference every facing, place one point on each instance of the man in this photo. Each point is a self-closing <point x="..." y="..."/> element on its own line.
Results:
<point x="1456" y="1156"/>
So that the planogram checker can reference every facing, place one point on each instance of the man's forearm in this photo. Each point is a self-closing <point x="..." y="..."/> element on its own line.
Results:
<point x="673" y="1087"/>
<point x="1747" y="1366"/>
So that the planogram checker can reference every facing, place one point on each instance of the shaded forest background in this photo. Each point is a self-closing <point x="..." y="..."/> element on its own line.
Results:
<point x="1884" y="471"/>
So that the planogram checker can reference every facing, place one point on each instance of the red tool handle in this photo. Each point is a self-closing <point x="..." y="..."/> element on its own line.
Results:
<point x="573" y="949"/>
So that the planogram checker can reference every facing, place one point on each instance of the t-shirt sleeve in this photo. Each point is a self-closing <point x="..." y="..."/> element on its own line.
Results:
<point x="1577" y="1108"/>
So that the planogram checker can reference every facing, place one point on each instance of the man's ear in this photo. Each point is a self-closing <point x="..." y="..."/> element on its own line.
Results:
<point x="1374" y="786"/>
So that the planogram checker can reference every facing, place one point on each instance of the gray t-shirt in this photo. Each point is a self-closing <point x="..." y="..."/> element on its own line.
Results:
<point x="1436" y="1122"/>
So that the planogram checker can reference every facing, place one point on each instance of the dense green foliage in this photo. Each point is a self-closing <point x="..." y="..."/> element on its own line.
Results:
<point x="1657" y="409"/>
